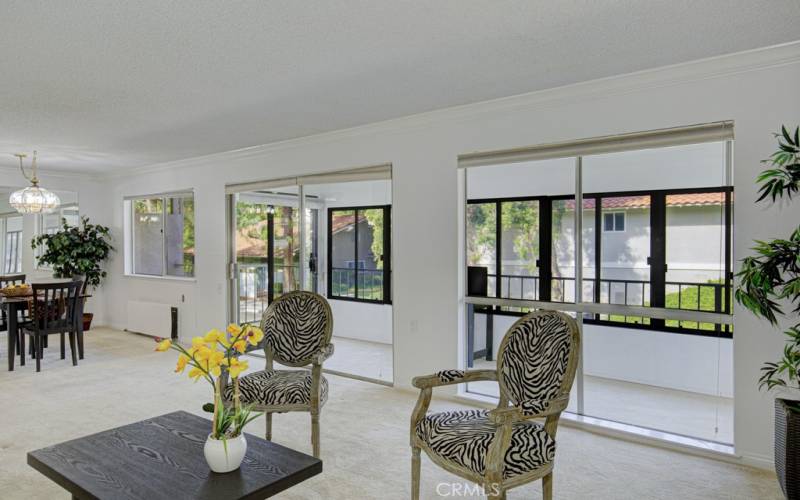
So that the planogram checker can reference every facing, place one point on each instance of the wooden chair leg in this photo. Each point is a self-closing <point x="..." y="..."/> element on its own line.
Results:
<point x="268" y="416"/>
<point x="415" y="469"/>
<point x="38" y="348"/>
<point x="547" y="487"/>
<point x="315" y="433"/>
<point x="63" y="352"/>
<point x="22" y="352"/>
<point x="73" y="349"/>
<point x="494" y="494"/>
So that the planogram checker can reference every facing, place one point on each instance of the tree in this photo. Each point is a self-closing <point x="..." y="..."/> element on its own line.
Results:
<point x="374" y="218"/>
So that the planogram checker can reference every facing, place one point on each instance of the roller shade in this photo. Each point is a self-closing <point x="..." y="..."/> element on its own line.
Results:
<point x="694" y="134"/>
<point x="168" y="194"/>
<point x="376" y="172"/>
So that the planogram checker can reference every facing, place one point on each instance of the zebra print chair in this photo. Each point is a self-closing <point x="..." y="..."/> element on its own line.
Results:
<point x="505" y="447"/>
<point x="297" y="332"/>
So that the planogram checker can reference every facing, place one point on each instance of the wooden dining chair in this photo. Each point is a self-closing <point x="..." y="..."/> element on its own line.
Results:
<point x="8" y="280"/>
<point x="54" y="309"/>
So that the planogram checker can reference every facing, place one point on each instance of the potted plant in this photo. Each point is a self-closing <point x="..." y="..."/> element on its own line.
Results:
<point x="211" y="358"/>
<point x="769" y="281"/>
<point x="76" y="251"/>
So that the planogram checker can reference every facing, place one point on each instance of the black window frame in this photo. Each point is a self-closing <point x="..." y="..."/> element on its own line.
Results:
<point x="386" y="257"/>
<point x="657" y="259"/>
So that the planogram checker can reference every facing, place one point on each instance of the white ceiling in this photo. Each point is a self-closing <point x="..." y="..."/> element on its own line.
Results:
<point x="104" y="85"/>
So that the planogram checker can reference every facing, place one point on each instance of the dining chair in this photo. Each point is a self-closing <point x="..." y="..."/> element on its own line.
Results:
<point x="7" y="280"/>
<point x="505" y="447"/>
<point x="53" y="311"/>
<point x="297" y="332"/>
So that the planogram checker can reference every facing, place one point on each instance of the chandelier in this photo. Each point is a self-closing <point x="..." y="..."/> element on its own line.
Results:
<point x="33" y="199"/>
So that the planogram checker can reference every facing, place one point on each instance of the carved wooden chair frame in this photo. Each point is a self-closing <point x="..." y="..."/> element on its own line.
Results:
<point x="503" y="417"/>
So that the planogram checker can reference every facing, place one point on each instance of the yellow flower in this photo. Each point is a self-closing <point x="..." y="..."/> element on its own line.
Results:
<point x="201" y="353"/>
<point x="215" y="358"/>
<point x="254" y="335"/>
<point x="182" y="362"/>
<point x="195" y="373"/>
<point x="234" y="329"/>
<point x="235" y="367"/>
<point x="164" y="345"/>
<point x="198" y="342"/>
<point x="214" y="336"/>
<point x="240" y="345"/>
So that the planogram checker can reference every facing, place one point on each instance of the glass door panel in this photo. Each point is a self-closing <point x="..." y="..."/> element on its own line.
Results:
<point x="286" y="250"/>
<point x="266" y="244"/>
<point x="661" y="245"/>
<point x="353" y="261"/>
<point x="519" y="252"/>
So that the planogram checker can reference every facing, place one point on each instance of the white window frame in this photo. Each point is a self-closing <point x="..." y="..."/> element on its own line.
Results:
<point x="40" y="231"/>
<point x="129" y="257"/>
<point x="3" y="241"/>
<point x="614" y="220"/>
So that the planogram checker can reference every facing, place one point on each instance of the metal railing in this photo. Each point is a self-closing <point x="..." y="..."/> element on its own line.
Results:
<point x="369" y="281"/>
<point x="693" y="296"/>
<point x="253" y="287"/>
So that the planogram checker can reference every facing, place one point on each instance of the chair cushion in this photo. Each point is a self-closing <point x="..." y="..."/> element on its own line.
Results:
<point x="463" y="438"/>
<point x="277" y="387"/>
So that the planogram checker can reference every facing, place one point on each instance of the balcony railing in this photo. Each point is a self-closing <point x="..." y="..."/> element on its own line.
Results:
<point x="344" y="280"/>
<point x="254" y="288"/>
<point x="693" y="296"/>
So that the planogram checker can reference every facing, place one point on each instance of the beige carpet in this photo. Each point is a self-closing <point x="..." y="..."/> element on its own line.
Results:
<point x="364" y="434"/>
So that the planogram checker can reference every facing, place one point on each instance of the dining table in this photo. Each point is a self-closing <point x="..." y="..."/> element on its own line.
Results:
<point x="16" y="304"/>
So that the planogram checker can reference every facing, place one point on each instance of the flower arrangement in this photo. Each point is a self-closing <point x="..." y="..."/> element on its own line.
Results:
<point x="208" y="358"/>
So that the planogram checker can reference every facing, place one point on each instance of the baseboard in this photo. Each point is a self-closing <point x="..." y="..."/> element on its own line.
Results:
<point x="758" y="461"/>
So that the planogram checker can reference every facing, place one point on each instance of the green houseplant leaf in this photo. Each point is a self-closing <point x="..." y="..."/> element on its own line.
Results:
<point x="76" y="250"/>
<point x="771" y="277"/>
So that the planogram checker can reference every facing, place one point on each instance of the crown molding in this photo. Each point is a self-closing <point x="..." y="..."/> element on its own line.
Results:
<point x="6" y="172"/>
<point x="665" y="76"/>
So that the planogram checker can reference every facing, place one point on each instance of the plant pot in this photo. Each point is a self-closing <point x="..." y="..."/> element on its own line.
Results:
<point x="225" y="455"/>
<point x="787" y="448"/>
<point x="87" y="321"/>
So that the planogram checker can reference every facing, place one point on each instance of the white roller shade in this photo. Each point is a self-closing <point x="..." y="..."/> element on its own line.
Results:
<point x="694" y="134"/>
<point x="168" y="194"/>
<point x="377" y="172"/>
<point x="260" y="185"/>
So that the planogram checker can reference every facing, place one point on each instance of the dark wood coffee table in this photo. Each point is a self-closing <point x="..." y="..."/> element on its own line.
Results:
<point x="162" y="458"/>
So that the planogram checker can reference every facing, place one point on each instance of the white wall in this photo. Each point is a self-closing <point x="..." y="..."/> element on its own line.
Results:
<point x="757" y="90"/>
<point x="690" y="363"/>
<point x="93" y="201"/>
<point x="356" y="320"/>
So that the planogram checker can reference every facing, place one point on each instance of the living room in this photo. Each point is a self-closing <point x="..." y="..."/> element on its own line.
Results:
<point x="411" y="183"/>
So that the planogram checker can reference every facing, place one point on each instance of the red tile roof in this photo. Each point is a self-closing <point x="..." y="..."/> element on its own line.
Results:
<point x="673" y="200"/>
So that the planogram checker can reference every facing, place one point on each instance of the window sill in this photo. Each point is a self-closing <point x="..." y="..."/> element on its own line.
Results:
<point x="161" y="278"/>
<point x="628" y="432"/>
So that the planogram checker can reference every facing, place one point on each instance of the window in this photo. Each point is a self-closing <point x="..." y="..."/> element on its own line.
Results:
<point x="11" y="241"/>
<point x="652" y="258"/>
<point x="161" y="235"/>
<point x="692" y="224"/>
<point x="614" y="222"/>
<point x="358" y="253"/>
<point x="51" y="224"/>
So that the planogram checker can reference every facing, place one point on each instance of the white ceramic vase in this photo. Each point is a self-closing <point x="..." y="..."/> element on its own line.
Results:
<point x="225" y="456"/>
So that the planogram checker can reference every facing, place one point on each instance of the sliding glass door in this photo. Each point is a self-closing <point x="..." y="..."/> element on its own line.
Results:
<point x="648" y="280"/>
<point x="329" y="234"/>
<point x="267" y="248"/>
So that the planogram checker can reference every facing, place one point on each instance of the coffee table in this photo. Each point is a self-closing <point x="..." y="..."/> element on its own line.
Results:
<point x="162" y="458"/>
